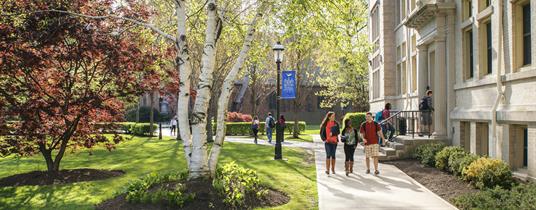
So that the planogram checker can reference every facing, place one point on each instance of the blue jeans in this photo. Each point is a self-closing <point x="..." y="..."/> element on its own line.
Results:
<point x="269" y="134"/>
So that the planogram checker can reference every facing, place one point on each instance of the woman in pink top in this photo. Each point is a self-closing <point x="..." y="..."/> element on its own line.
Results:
<point x="329" y="132"/>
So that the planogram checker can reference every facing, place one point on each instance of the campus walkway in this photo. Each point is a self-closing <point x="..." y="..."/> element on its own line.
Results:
<point x="392" y="189"/>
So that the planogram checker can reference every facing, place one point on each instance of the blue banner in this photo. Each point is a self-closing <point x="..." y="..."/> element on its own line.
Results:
<point x="288" y="85"/>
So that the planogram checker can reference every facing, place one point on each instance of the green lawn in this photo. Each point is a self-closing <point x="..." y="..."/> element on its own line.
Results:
<point x="312" y="129"/>
<point x="302" y="137"/>
<point x="140" y="156"/>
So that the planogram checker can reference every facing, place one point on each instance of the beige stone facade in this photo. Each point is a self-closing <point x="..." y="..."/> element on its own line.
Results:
<point x="476" y="55"/>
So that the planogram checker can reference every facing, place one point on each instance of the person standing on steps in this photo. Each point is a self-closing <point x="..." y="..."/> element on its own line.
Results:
<point x="426" y="108"/>
<point x="350" y="138"/>
<point x="329" y="132"/>
<point x="388" y="125"/>
<point x="269" y="126"/>
<point x="370" y="131"/>
<point x="255" y="128"/>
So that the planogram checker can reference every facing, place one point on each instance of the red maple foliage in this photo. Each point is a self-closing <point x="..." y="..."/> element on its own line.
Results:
<point x="61" y="75"/>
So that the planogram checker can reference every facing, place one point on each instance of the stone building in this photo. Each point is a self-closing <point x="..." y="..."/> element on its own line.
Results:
<point x="476" y="56"/>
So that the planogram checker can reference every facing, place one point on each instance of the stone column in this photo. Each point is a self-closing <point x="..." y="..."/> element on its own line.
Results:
<point x="439" y="84"/>
<point x="422" y="70"/>
<point x="474" y="147"/>
<point x="531" y="165"/>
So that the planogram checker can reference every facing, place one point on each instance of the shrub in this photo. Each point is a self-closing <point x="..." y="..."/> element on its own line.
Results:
<point x="426" y="153"/>
<point x="238" y="117"/>
<point x="234" y="182"/>
<point x="142" y="129"/>
<point x="455" y="161"/>
<point x="356" y="118"/>
<point x="522" y="196"/>
<point x="488" y="173"/>
<point x="442" y="157"/>
<point x="138" y="190"/>
<point x="244" y="128"/>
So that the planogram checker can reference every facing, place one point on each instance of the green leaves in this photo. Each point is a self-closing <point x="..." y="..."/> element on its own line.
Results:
<point x="234" y="182"/>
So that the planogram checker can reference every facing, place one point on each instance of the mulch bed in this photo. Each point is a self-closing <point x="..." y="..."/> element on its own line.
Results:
<point x="441" y="183"/>
<point x="64" y="177"/>
<point x="206" y="197"/>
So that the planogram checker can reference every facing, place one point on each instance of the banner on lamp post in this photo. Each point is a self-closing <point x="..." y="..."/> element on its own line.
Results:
<point x="288" y="85"/>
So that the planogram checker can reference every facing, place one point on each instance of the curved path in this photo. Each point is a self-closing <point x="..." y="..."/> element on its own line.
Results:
<point x="392" y="189"/>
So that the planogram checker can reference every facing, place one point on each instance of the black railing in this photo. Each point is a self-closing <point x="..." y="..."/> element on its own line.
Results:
<point x="409" y="123"/>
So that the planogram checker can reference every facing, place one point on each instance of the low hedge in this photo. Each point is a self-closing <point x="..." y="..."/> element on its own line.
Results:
<point x="426" y="153"/>
<point x="244" y="128"/>
<point x="356" y="118"/>
<point x="488" y="173"/>
<point x="459" y="162"/>
<point x="522" y="196"/>
<point x="443" y="156"/>
<point x="138" y="129"/>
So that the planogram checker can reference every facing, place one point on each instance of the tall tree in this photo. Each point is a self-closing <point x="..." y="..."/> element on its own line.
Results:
<point x="200" y="163"/>
<point x="59" y="76"/>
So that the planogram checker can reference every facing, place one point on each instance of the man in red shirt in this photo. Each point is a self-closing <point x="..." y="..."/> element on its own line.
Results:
<point x="370" y="131"/>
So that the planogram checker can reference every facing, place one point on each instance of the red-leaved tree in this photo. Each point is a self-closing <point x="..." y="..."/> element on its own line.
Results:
<point x="60" y="76"/>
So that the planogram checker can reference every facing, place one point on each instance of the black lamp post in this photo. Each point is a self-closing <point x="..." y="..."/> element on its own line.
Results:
<point x="160" y="120"/>
<point x="278" y="55"/>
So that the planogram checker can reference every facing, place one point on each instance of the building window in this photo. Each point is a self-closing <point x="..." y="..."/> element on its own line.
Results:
<point x="485" y="55"/>
<point x="526" y="35"/>
<point x="404" y="78"/>
<point x="375" y="24"/>
<point x="469" y="57"/>
<point x="411" y="5"/>
<point x="414" y="73"/>
<point x="525" y="147"/>
<point x="489" y="48"/>
<point x="483" y="4"/>
<point x="397" y="13"/>
<point x="413" y="44"/>
<point x="402" y="9"/>
<point x="467" y="9"/>
<point x="376" y="84"/>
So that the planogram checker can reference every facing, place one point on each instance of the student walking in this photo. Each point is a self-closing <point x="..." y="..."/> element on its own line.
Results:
<point x="255" y="128"/>
<point x="173" y="124"/>
<point x="388" y="125"/>
<point x="269" y="126"/>
<point x="350" y="138"/>
<point x="329" y="132"/>
<point x="282" y="125"/>
<point x="426" y="108"/>
<point x="370" y="131"/>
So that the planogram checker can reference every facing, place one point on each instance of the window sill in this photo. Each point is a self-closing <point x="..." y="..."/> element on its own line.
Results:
<point x="467" y="23"/>
<point x="484" y="14"/>
<point x="472" y="83"/>
<point x="525" y="72"/>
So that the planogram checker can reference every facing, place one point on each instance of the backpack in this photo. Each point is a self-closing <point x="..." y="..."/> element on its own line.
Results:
<point x="378" y="117"/>
<point x="255" y="126"/>
<point x="323" y="134"/>
<point x="271" y="123"/>
<point x="423" y="105"/>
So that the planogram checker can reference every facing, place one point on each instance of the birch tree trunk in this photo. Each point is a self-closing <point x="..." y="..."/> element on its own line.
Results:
<point x="223" y="100"/>
<point x="198" y="162"/>
<point x="182" y="63"/>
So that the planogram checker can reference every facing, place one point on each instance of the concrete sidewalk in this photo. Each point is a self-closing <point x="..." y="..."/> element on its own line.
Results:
<point x="392" y="189"/>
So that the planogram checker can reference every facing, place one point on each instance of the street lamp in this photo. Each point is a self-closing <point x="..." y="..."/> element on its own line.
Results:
<point x="279" y="133"/>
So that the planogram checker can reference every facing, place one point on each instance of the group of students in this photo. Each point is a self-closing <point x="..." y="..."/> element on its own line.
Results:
<point x="369" y="131"/>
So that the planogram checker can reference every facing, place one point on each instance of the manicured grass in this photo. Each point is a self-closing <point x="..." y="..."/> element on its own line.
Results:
<point x="140" y="156"/>
<point x="312" y="129"/>
<point x="301" y="137"/>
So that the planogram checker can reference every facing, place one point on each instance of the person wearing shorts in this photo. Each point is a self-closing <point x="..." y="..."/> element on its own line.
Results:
<point x="370" y="132"/>
<point x="329" y="132"/>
